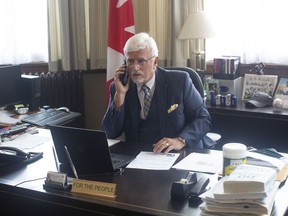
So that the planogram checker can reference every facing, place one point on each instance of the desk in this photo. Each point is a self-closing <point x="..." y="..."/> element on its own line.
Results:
<point x="139" y="192"/>
<point x="258" y="127"/>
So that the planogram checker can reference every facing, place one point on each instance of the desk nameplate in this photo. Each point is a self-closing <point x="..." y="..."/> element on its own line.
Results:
<point x="94" y="188"/>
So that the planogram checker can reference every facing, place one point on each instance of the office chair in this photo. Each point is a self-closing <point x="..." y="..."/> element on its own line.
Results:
<point x="199" y="86"/>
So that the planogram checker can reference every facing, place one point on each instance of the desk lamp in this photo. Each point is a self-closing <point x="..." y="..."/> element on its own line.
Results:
<point x="197" y="27"/>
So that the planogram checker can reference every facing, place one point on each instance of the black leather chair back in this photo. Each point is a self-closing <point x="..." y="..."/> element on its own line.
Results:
<point x="194" y="77"/>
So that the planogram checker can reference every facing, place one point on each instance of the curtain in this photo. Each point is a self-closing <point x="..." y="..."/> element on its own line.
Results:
<point x="255" y="30"/>
<point x="78" y="31"/>
<point x="67" y="35"/>
<point x="23" y="32"/>
<point x="182" y="50"/>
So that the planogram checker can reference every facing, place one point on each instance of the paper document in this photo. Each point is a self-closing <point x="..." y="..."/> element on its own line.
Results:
<point x="245" y="206"/>
<point x="29" y="141"/>
<point x="112" y="142"/>
<point x="200" y="162"/>
<point x="153" y="161"/>
<point x="6" y="120"/>
<point x="264" y="160"/>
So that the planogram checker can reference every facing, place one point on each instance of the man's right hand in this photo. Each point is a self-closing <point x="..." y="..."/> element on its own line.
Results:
<point x="121" y="90"/>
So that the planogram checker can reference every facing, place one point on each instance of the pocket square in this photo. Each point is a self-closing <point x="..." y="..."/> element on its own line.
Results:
<point x="172" y="108"/>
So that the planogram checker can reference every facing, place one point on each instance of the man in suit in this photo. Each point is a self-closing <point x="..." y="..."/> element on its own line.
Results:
<point x="177" y="115"/>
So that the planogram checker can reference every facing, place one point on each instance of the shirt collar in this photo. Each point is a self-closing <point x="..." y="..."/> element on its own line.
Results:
<point x="150" y="83"/>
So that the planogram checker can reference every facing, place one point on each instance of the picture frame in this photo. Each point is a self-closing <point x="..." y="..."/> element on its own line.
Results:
<point x="281" y="91"/>
<point x="258" y="83"/>
<point x="211" y="84"/>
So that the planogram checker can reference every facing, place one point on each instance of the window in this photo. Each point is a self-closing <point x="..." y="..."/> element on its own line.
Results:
<point x="255" y="30"/>
<point x="23" y="31"/>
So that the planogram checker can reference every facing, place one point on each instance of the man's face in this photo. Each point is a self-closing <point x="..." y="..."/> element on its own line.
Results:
<point x="141" y="65"/>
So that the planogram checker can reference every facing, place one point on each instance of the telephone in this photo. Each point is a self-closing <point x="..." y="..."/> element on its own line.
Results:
<point x="123" y="78"/>
<point x="15" y="155"/>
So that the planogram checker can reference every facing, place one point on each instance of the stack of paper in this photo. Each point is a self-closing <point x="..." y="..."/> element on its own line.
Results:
<point x="249" y="178"/>
<point x="217" y="201"/>
<point x="6" y="120"/>
<point x="255" y="158"/>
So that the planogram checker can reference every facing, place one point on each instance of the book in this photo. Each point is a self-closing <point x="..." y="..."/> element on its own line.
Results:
<point x="249" y="178"/>
<point x="226" y="67"/>
<point x="219" y="193"/>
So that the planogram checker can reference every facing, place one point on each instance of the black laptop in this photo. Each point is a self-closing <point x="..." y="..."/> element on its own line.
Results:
<point x="88" y="150"/>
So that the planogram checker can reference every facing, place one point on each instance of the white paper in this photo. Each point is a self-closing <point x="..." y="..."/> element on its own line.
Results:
<point x="255" y="158"/>
<point x="6" y="120"/>
<point x="28" y="141"/>
<point x="244" y="206"/>
<point x="153" y="161"/>
<point x="112" y="142"/>
<point x="200" y="162"/>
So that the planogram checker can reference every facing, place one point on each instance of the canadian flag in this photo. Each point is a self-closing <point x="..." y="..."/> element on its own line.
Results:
<point x="120" y="28"/>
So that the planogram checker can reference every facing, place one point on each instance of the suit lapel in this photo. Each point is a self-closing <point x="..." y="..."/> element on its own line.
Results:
<point x="161" y="94"/>
<point x="135" y="109"/>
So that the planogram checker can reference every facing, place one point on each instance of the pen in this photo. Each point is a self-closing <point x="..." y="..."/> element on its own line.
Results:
<point x="71" y="162"/>
<point x="55" y="158"/>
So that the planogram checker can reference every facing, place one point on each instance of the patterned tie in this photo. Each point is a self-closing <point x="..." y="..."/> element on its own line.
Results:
<point x="147" y="99"/>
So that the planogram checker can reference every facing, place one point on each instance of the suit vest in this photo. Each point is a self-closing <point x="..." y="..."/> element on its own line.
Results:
<point x="149" y="129"/>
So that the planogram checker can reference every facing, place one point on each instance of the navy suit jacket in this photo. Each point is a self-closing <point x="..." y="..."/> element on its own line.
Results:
<point x="190" y="120"/>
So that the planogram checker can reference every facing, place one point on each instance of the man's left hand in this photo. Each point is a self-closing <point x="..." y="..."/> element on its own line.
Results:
<point x="168" y="144"/>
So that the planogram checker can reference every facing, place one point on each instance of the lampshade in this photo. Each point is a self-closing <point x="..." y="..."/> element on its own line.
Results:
<point x="196" y="26"/>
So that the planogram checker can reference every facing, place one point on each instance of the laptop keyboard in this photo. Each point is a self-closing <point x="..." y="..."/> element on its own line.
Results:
<point x="119" y="162"/>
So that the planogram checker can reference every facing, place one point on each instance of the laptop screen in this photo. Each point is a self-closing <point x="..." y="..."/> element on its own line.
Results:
<point x="88" y="149"/>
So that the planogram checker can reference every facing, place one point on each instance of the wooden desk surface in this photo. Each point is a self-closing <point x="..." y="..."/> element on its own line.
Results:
<point x="139" y="192"/>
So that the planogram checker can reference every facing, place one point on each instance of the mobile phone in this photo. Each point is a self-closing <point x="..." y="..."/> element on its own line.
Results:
<point x="124" y="77"/>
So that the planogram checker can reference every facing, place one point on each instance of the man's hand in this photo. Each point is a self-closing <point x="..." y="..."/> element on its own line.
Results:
<point x="120" y="88"/>
<point x="168" y="144"/>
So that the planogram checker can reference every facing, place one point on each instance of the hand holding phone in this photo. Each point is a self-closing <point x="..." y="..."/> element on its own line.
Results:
<point x="124" y="77"/>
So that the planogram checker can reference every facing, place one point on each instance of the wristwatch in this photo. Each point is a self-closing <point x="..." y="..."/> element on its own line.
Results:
<point x="182" y="140"/>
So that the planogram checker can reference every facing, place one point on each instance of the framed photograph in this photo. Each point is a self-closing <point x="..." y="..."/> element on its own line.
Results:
<point x="281" y="91"/>
<point x="211" y="84"/>
<point x="258" y="83"/>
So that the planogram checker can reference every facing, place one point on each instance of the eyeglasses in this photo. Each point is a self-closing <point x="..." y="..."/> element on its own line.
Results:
<point x="140" y="62"/>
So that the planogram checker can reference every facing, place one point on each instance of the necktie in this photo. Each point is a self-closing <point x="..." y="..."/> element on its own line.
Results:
<point x="147" y="99"/>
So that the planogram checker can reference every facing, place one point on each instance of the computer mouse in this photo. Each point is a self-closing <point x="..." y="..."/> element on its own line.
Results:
<point x="64" y="109"/>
